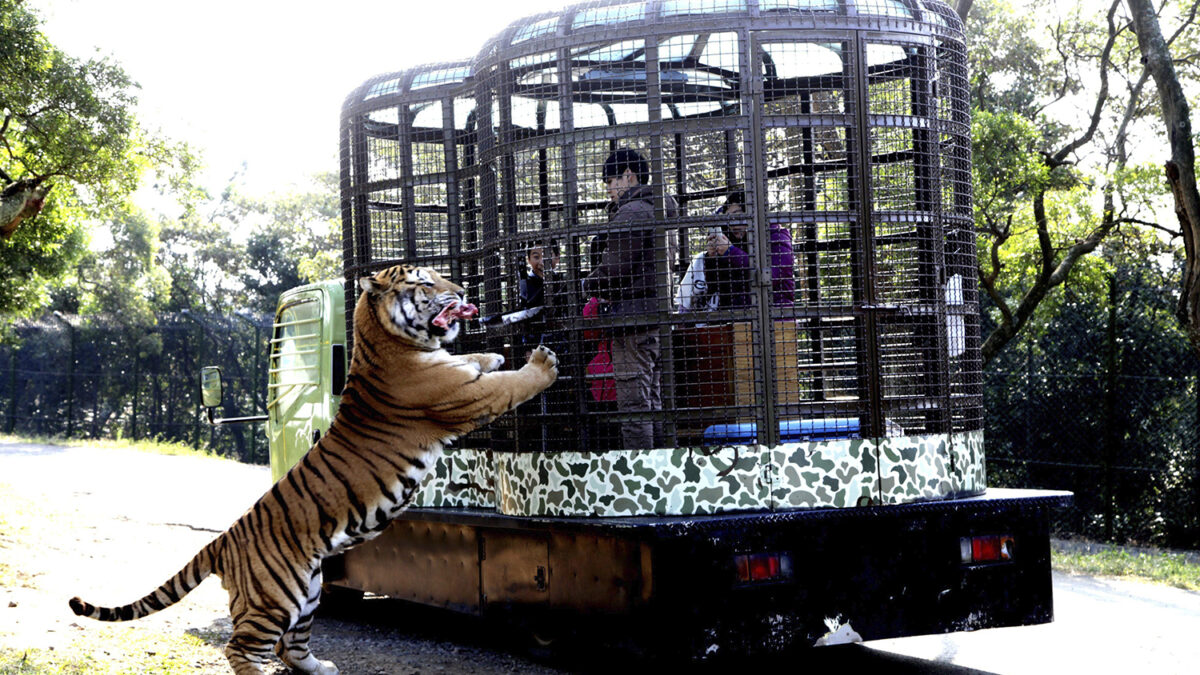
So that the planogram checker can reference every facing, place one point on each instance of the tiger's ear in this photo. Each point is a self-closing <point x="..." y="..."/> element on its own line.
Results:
<point x="368" y="285"/>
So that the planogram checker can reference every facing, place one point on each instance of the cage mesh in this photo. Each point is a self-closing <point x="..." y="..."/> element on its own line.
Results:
<point x="746" y="221"/>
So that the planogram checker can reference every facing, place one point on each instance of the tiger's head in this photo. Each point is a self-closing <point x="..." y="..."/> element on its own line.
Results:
<point x="417" y="304"/>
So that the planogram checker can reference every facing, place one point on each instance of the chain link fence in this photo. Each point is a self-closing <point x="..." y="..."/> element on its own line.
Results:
<point x="95" y="377"/>
<point x="1103" y="400"/>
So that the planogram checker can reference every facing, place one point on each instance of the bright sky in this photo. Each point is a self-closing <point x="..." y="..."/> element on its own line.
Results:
<point x="263" y="81"/>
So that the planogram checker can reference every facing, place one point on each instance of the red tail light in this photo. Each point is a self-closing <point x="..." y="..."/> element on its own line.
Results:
<point x="763" y="567"/>
<point x="987" y="549"/>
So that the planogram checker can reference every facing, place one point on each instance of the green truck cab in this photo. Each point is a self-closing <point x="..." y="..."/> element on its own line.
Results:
<point x="307" y="371"/>
<point x="306" y="374"/>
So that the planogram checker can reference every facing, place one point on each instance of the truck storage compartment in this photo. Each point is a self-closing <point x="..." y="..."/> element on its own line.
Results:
<point x="707" y="587"/>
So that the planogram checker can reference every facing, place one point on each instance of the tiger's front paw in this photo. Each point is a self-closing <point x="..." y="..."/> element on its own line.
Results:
<point x="490" y="362"/>
<point x="545" y="358"/>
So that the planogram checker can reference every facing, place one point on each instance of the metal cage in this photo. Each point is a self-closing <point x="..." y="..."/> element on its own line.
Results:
<point x="838" y="301"/>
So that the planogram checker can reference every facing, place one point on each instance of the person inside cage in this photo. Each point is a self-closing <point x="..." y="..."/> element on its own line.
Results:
<point x="718" y="277"/>
<point x="783" y="261"/>
<point x="540" y="421"/>
<point x="625" y="282"/>
<point x="541" y="261"/>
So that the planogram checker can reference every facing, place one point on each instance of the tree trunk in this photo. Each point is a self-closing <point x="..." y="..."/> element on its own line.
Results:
<point x="1181" y="169"/>
<point x="963" y="7"/>
<point x="20" y="201"/>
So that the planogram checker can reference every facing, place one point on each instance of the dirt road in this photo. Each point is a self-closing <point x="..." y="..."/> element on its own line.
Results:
<point x="109" y="525"/>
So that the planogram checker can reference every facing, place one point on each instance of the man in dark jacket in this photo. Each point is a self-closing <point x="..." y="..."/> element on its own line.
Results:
<point x="625" y="279"/>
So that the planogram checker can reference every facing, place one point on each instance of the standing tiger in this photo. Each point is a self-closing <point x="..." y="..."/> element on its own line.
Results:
<point x="405" y="398"/>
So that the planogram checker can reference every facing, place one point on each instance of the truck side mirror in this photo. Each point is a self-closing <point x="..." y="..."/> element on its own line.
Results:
<point x="211" y="388"/>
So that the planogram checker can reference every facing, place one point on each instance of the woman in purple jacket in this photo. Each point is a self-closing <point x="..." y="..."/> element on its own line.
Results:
<point x="783" y="261"/>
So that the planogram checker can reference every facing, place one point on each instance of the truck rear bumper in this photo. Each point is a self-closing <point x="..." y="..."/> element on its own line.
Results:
<point x="871" y="573"/>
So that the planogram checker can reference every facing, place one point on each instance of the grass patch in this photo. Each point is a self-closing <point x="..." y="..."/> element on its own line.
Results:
<point x="1172" y="569"/>
<point x="41" y="661"/>
<point x="118" y="651"/>
<point x="151" y="446"/>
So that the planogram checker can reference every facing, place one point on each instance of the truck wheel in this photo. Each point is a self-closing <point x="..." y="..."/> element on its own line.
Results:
<point x="547" y="638"/>
<point x="544" y="638"/>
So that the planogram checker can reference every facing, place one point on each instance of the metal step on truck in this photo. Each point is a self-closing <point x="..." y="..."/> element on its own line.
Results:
<point x="803" y="306"/>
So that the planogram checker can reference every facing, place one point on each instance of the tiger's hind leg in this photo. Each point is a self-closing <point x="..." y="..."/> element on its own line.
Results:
<point x="257" y="630"/>
<point x="292" y="648"/>
<point x="248" y="649"/>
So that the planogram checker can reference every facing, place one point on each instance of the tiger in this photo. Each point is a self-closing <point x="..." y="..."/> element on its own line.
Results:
<point x="405" y="398"/>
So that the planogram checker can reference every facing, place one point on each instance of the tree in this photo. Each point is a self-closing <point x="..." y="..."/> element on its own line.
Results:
<point x="71" y="150"/>
<point x="295" y="238"/>
<point x="1054" y="117"/>
<point x="1181" y="168"/>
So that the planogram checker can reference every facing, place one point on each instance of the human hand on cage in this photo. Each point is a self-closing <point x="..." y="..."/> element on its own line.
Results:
<point x="717" y="244"/>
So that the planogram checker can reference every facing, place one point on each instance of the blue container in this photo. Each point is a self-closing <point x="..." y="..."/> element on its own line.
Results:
<point x="821" y="429"/>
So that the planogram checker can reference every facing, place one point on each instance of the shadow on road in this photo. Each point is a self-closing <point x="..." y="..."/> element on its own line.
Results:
<point x="407" y="622"/>
<point x="22" y="449"/>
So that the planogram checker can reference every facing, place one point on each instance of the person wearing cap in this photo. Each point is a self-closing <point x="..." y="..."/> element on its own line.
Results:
<point x="783" y="260"/>
<point x="540" y="421"/>
<point x="625" y="279"/>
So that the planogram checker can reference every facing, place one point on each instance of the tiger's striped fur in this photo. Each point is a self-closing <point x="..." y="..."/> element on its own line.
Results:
<point x="405" y="398"/>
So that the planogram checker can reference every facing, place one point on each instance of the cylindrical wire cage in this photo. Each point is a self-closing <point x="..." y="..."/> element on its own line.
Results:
<point x="747" y="222"/>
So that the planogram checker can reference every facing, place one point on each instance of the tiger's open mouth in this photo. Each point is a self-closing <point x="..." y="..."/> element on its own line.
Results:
<point x="453" y="312"/>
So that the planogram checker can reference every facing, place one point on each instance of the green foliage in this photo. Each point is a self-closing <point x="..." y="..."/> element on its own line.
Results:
<point x="1098" y="396"/>
<point x="295" y="238"/>
<point x="70" y="124"/>
<point x="1060" y="108"/>
<point x="202" y="261"/>
<point x="1011" y="69"/>
<point x="1006" y="167"/>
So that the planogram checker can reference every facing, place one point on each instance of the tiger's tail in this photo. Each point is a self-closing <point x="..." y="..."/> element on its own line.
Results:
<point x="162" y="597"/>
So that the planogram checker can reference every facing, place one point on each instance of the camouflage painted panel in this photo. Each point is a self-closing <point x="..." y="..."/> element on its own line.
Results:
<point x="683" y="481"/>
<point x="627" y="483"/>
<point x="972" y="467"/>
<point x="918" y="468"/>
<point x="829" y="474"/>
<point x="460" y="478"/>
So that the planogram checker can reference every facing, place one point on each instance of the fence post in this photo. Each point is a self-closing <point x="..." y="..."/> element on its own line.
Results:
<point x="98" y="386"/>
<point x="1026" y="416"/>
<point x="137" y="379"/>
<point x="256" y="381"/>
<point x="12" y="390"/>
<point x="70" y="374"/>
<point x="1193" y="527"/>
<point x="1111" y="432"/>
<point x="197" y="429"/>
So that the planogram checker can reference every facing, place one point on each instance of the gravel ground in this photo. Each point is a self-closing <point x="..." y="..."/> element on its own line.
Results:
<point x="110" y="524"/>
